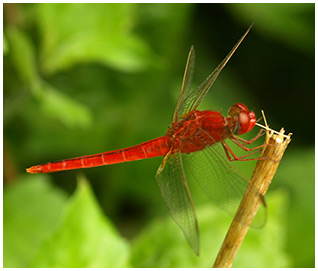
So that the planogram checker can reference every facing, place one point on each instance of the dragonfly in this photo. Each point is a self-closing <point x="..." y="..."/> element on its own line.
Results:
<point x="195" y="139"/>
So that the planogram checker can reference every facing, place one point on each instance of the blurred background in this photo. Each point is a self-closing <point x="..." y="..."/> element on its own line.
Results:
<point x="81" y="79"/>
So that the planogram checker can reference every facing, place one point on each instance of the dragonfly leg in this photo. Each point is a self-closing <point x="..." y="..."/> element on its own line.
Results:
<point x="233" y="157"/>
<point x="237" y="140"/>
<point x="245" y="148"/>
<point x="247" y="142"/>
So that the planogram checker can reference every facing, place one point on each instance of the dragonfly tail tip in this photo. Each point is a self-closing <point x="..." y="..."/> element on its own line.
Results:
<point x="32" y="170"/>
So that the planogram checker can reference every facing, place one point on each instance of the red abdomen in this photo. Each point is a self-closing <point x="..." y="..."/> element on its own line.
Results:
<point x="152" y="148"/>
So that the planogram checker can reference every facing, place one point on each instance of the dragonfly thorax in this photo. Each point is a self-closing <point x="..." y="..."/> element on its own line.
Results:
<point x="198" y="130"/>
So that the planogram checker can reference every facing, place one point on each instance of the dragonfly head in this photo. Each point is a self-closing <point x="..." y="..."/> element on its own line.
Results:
<point x="244" y="120"/>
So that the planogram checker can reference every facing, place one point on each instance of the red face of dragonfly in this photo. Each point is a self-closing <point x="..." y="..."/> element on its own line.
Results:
<point x="245" y="119"/>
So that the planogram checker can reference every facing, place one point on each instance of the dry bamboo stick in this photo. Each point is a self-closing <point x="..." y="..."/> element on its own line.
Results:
<point x="261" y="179"/>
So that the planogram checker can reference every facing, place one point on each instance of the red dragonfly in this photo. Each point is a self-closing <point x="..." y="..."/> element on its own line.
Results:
<point x="193" y="137"/>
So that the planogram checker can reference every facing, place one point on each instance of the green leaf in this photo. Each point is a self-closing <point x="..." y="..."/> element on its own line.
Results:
<point x="84" y="238"/>
<point x="52" y="102"/>
<point x="162" y="244"/>
<point x="31" y="209"/>
<point x="23" y="58"/>
<point x="59" y="106"/>
<point x="105" y="36"/>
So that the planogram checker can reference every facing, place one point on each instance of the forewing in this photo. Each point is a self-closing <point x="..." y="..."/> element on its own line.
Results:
<point x="185" y="86"/>
<point x="193" y="100"/>
<point x="176" y="194"/>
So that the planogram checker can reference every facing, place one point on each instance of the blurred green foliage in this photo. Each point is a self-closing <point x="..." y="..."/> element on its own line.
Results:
<point x="86" y="78"/>
<point x="83" y="238"/>
<point x="75" y="233"/>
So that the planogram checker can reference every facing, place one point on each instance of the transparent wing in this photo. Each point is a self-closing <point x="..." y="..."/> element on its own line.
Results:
<point x="220" y="180"/>
<point x="224" y="185"/>
<point x="186" y="85"/>
<point x="193" y="100"/>
<point x="176" y="194"/>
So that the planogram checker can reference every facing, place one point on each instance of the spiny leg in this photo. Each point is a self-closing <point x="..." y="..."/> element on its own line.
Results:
<point x="229" y="153"/>
<point x="242" y="146"/>
<point x="247" y="142"/>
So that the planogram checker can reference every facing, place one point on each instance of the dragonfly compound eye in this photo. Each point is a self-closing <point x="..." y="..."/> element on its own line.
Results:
<point x="245" y="120"/>
<point x="243" y="123"/>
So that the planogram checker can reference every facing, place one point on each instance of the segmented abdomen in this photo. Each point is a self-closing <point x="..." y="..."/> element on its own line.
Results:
<point x="152" y="148"/>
